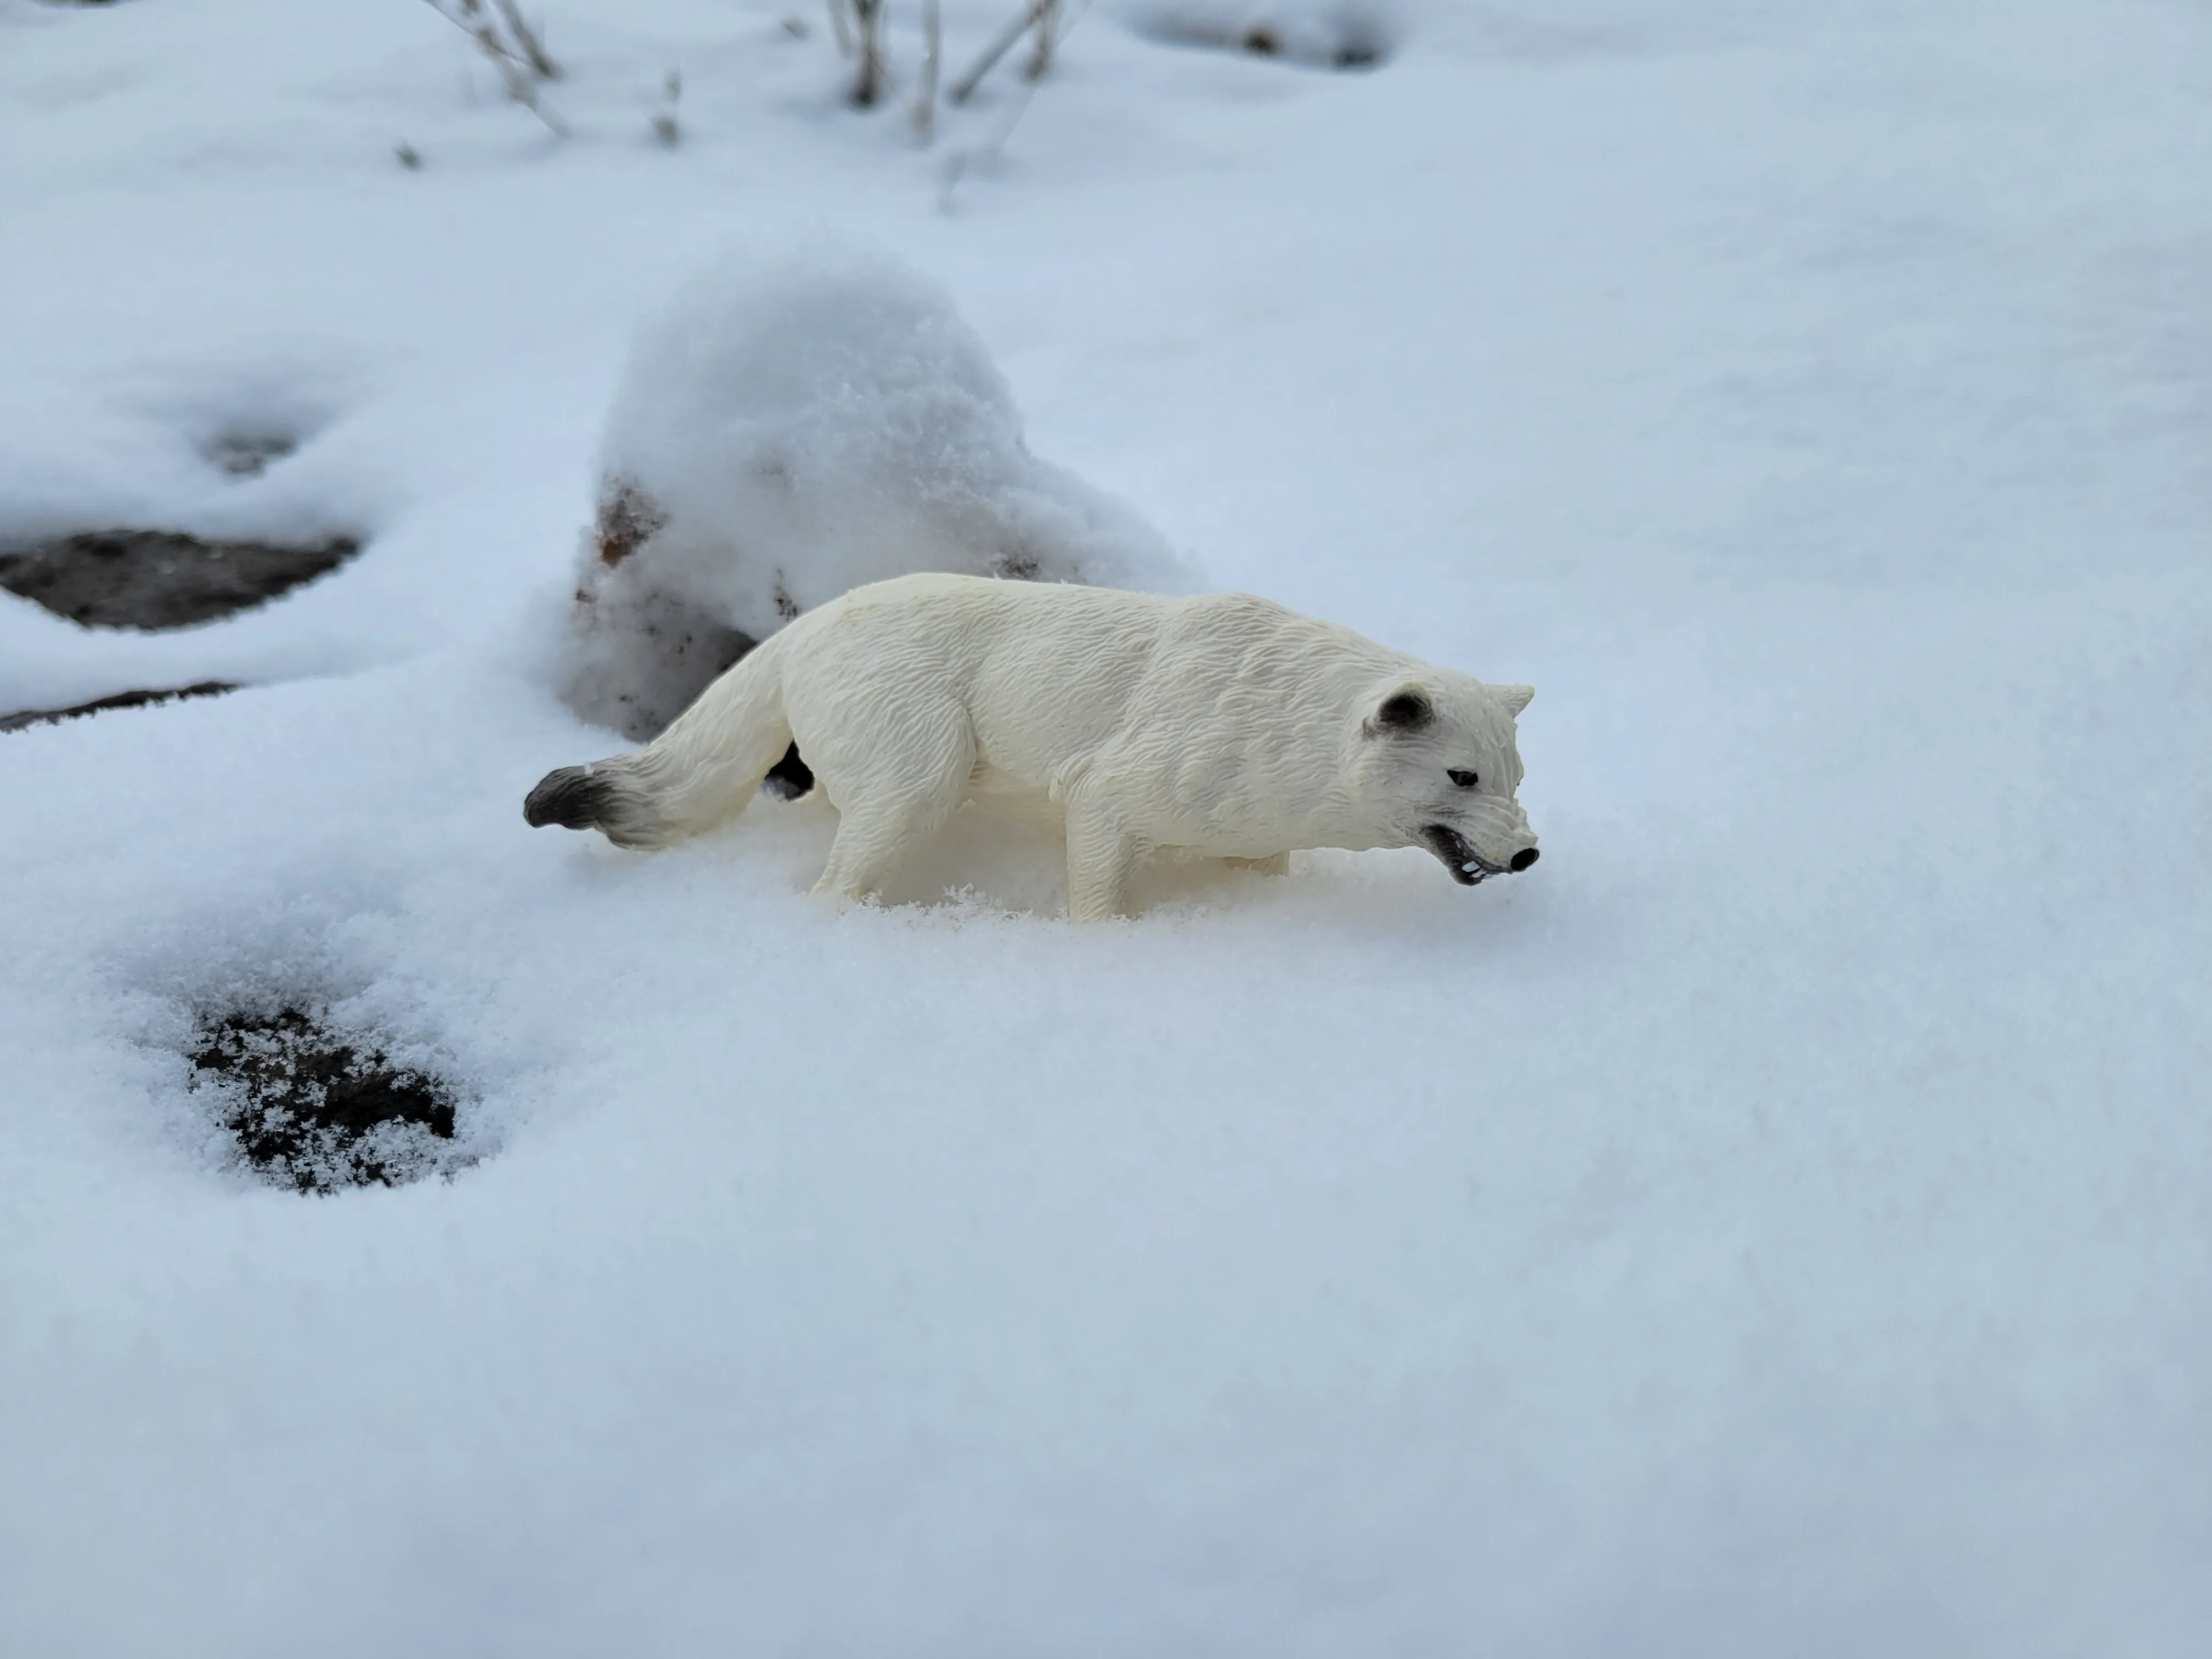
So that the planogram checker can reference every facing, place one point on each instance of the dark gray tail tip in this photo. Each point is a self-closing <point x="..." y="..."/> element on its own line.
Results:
<point x="572" y="798"/>
<point x="1523" y="859"/>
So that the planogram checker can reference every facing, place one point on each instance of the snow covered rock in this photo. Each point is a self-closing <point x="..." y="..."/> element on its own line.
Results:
<point x="793" y="424"/>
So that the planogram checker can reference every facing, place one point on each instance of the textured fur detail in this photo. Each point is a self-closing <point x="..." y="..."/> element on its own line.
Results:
<point x="1223" y="724"/>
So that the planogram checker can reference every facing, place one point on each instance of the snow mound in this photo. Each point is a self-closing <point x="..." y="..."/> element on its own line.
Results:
<point x="795" y="423"/>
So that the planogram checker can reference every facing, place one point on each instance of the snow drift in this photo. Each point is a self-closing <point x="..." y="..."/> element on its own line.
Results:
<point x="795" y="422"/>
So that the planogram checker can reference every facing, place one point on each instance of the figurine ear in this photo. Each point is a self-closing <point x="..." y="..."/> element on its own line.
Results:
<point x="1405" y="710"/>
<point x="1517" y="697"/>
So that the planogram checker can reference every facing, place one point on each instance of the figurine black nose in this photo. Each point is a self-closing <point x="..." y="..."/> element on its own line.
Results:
<point x="1523" y="859"/>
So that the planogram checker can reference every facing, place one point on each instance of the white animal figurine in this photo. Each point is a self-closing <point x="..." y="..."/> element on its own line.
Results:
<point x="1223" y="724"/>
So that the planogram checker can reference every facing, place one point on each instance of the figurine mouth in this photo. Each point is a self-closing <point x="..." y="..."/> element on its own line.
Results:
<point x="1468" y="867"/>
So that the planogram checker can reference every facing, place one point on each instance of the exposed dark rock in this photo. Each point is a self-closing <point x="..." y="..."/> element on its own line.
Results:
<point x="23" y="717"/>
<point x="313" y="1109"/>
<point x="156" y="579"/>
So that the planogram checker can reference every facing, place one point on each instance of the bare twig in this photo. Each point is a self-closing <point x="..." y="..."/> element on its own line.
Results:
<point x="1048" y="23"/>
<point x="868" y="84"/>
<point x="517" y="72"/>
<point x="523" y="91"/>
<point x="957" y="166"/>
<point x="527" y="43"/>
<point x="840" y="28"/>
<point x="933" y="40"/>
<point x="964" y="89"/>
<point x="468" y="16"/>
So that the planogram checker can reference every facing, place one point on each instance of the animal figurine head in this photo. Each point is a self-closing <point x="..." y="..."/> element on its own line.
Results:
<point x="1439" y="752"/>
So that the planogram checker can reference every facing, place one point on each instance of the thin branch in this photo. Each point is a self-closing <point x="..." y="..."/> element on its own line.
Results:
<point x="986" y="154"/>
<point x="868" y="84"/>
<point x="957" y="165"/>
<point x="1048" y="21"/>
<point x="840" y="28"/>
<point x="533" y="51"/>
<point x="522" y="87"/>
<point x="525" y="93"/>
<point x="925" y="106"/>
<point x="964" y="89"/>
<point x="517" y="72"/>
<point x="470" y="20"/>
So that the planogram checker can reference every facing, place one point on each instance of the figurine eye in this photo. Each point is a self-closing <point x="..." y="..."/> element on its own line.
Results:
<point x="1464" y="779"/>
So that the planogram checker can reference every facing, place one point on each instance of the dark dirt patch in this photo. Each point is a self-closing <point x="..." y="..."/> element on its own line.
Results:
<point x="27" y="717"/>
<point x="627" y="518"/>
<point x="155" y="579"/>
<point x="313" y="1109"/>
<point x="1349" y="41"/>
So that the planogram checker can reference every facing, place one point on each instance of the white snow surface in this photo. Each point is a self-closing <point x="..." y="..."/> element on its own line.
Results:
<point x="1781" y="1221"/>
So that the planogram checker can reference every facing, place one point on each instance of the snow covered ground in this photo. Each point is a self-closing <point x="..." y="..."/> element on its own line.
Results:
<point x="1782" y="1222"/>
